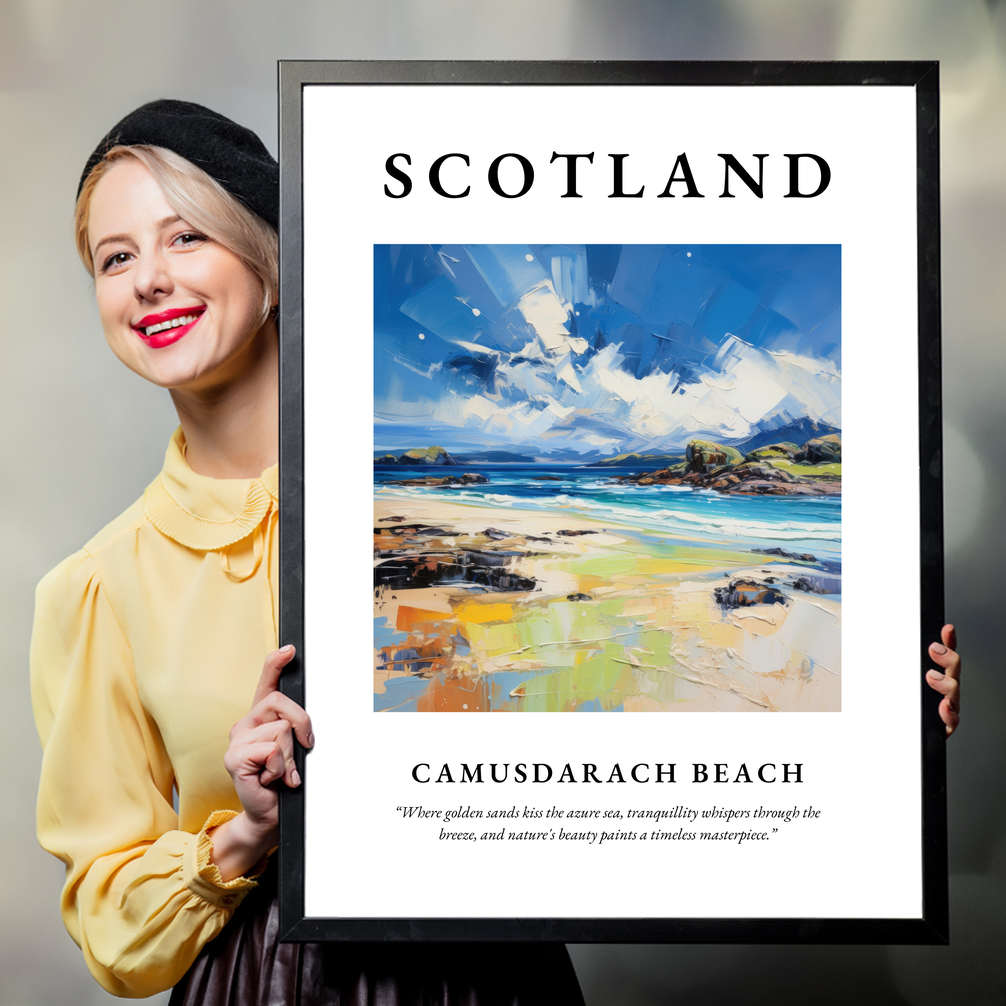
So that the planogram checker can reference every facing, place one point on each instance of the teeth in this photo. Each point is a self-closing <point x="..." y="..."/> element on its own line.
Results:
<point x="174" y="323"/>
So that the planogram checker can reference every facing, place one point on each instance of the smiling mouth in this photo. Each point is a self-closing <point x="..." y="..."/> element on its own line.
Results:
<point x="167" y="322"/>
<point x="185" y="319"/>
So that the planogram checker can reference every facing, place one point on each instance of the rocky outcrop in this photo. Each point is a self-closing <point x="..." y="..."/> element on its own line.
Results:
<point x="410" y="556"/>
<point x="426" y="456"/>
<point x="772" y="470"/>
<point x="748" y="478"/>
<point x="704" y="455"/>
<point x="418" y="456"/>
<point x="468" y="479"/>
<point x="488" y="570"/>
<point x="664" y="476"/>
<point x="773" y="452"/>
<point x="785" y="554"/>
<point x="813" y="584"/>
<point x="744" y="593"/>
<point x="821" y="451"/>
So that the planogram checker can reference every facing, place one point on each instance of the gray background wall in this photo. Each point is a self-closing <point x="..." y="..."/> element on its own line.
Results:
<point x="82" y="436"/>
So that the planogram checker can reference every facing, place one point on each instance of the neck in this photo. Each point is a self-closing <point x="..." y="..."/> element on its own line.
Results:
<point x="231" y="425"/>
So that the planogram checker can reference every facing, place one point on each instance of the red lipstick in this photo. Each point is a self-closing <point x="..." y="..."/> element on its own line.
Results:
<point x="166" y="327"/>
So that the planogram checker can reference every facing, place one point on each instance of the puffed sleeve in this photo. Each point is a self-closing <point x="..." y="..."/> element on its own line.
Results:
<point x="141" y="898"/>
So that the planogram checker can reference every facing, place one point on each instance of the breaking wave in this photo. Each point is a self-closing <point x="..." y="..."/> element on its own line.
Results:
<point x="798" y="523"/>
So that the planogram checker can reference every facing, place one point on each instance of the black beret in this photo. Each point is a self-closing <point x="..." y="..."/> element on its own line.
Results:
<point x="230" y="154"/>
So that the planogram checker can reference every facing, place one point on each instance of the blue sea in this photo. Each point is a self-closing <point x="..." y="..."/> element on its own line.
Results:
<point x="795" y="523"/>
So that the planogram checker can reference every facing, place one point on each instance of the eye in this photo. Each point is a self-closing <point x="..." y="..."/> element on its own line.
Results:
<point x="189" y="239"/>
<point x="115" y="261"/>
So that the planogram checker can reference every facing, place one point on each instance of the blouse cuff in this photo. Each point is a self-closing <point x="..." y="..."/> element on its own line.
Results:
<point x="202" y="876"/>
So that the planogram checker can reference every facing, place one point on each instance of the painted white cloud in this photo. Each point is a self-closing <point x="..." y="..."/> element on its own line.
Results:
<point x="546" y="312"/>
<point x="597" y="403"/>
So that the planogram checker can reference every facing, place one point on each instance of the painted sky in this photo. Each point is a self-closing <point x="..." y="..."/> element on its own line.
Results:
<point x="602" y="348"/>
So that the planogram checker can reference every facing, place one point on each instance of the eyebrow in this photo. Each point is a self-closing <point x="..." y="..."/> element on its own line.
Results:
<point x="160" y="225"/>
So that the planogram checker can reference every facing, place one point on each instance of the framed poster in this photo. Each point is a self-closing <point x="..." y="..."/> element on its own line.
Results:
<point x="633" y="371"/>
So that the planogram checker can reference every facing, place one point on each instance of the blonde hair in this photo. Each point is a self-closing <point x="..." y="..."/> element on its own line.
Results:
<point x="199" y="200"/>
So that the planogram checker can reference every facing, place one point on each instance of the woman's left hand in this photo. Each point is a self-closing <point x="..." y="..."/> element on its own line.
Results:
<point x="948" y="681"/>
<point x="260" y="754"/>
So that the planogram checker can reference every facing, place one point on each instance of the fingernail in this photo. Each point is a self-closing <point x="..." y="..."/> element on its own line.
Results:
<point x="938" y="648"/>
<point x="287" y="649"/>
<point x="310" y="740"/>
<point x="295" y="777"/>
<point x="936" y="675"/>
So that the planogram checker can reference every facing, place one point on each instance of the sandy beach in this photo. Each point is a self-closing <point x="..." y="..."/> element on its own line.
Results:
<point x="597" y="617"/>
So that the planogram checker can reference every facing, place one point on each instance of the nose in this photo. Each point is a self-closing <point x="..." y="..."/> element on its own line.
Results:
<point x="152" y="276"/>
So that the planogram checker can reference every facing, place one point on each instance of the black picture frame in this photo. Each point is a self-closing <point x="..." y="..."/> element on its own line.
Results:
<point x="932" y="925"/>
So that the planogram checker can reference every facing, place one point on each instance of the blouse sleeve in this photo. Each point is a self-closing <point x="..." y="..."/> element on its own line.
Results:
<point x="141" y="898"/>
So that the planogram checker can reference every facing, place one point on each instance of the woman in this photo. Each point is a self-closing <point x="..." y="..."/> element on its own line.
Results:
<point x="148" y="643"/>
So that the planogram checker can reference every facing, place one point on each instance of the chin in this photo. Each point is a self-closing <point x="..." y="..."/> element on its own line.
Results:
<point x="170" y="374"/>
<point x="190" y="378"/>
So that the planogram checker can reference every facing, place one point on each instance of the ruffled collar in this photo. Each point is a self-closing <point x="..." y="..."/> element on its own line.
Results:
<point x="203" y="513"/>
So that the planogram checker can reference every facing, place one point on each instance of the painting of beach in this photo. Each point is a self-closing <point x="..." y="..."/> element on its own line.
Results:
<point x="607" y="478"/>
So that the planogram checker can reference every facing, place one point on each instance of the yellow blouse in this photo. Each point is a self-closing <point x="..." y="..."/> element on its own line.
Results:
<point x="147" y="647"/>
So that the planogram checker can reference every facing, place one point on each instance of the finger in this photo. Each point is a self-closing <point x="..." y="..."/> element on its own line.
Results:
<point x="949" y="708"/>
<point x="945" y="685"/>
<point x="260" y="760"/>
<point x="271" y="670"/>
<point x="949" y="636"/>
<point x="279" y="733"/>
<point x="948" y="659"/>
<point x="274" y="766"/>
<point x="950" y="716"/>
<point x="276" y="706"/>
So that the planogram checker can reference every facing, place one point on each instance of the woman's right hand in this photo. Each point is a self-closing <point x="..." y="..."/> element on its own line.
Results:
<point x="948" y="681"/>
<point x="260" y="753"/>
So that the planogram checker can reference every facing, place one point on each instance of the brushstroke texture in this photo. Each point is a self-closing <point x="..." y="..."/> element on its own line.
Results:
<point x="647" y="516"/>
<point x="600" y="350"/>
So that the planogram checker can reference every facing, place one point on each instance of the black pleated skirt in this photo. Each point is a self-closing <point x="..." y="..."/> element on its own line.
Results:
<point x="246" y="965"/>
